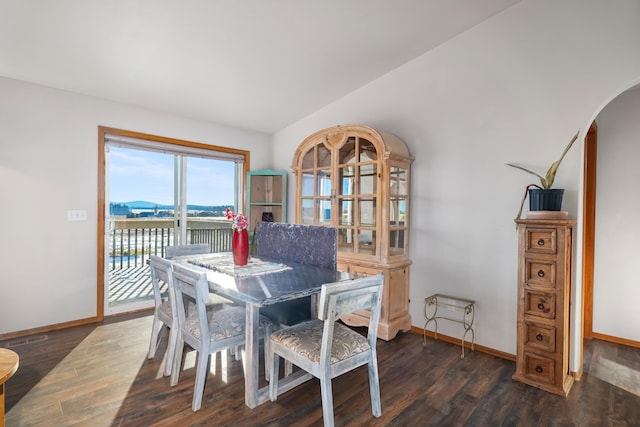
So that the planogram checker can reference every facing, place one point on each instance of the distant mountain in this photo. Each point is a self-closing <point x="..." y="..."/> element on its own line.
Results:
<point x="141" y="204"/>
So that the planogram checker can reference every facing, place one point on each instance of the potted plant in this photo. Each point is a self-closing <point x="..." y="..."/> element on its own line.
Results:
<point x="542" y="197"/>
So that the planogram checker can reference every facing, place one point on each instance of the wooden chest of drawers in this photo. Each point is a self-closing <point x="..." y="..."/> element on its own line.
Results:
<point x="544" y="291"/>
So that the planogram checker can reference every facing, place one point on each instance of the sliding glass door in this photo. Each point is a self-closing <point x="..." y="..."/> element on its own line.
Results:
<point x="159" y="194"/>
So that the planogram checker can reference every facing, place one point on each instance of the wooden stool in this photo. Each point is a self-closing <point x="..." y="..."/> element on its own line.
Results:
<point x="9" y="361"/>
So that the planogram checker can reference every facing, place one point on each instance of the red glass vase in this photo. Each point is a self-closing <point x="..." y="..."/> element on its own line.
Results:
<point x="240" y="247"/>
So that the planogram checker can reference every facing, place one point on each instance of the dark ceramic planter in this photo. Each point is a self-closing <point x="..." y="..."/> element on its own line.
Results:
<point x="545" y="200"/>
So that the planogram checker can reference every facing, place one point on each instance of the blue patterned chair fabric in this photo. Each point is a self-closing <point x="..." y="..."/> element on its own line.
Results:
<point x="306" y="339"/>
<point x="304" y="244"/>
<point x="223" y="324"/>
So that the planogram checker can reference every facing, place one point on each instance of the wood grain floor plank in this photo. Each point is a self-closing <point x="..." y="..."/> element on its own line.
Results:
<point x="99" y="375"/>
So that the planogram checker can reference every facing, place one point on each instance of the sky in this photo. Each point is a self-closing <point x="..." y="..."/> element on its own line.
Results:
<point x="146" y="175"/>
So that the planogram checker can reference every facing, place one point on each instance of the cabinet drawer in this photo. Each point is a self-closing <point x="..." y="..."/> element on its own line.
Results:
<point x="364" y="271"/>
<point x="540" y="240"/>
<point x="540" y="337"/>
<point x="539" y="368"/>
<point x="540" y="304"/>
<point x="540" y="273"/>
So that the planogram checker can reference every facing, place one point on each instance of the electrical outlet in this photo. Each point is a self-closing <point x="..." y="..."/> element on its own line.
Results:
<point x="76" y="215"/>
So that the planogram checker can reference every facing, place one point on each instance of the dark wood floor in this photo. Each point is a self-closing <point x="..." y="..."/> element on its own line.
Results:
<point x="99" y="376"/>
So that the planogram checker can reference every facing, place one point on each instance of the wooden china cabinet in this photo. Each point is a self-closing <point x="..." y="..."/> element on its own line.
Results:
<point x="356" y="179"/>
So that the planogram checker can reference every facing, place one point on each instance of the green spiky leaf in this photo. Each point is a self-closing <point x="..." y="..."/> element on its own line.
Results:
<point x="522" y="168"/>
<point x="547" y="181"/>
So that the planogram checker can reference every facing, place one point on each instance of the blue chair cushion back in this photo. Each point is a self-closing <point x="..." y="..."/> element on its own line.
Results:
<point x="304" y="244"/>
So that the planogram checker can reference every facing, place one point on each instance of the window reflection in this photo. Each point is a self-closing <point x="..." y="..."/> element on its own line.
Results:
<point x="307" y="184"/>
<point x="307" y="211"/>
<point x="367" y="151"/>
<point x="396" y="242"/>
<point x="345" y="240"/>
<point x="324" y="211"/>
<point x="324" y="156"/>
<point x="324" y="182"/>
<point x="368" y="179"/>
<point x="346" y="211"/>
<point x="347" y="153"/>
<point x="367" y="242"/>
<point x="368" y="212"/>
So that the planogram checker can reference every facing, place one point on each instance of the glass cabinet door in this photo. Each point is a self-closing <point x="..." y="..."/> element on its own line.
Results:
<point x="357" y="196"/>
<point x="398" y="197"/>
<point x="316" y="186"/>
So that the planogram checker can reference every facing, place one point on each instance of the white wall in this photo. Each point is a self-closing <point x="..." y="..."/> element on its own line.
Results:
<point x="48" y="164"/>
<point x="513" y="89"/>
<point x="617" y="253"/>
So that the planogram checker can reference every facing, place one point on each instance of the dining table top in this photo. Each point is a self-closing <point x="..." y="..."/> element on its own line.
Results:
<point x="262" y="281"/>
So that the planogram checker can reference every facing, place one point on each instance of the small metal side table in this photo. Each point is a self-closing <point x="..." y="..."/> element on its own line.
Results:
<point x="461" y="311"/>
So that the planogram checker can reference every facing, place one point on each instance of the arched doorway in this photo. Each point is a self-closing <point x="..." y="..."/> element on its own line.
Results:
<point x="592" y="281"/>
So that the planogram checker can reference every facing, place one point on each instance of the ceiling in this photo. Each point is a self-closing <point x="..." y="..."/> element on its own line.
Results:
<point x="253" y="64"/>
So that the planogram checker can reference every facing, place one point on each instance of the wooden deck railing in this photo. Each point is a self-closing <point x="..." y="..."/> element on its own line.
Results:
<point x="132" y="241"/>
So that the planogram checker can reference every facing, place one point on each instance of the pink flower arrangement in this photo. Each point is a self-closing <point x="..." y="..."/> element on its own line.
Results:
<point x="240" y="221"/>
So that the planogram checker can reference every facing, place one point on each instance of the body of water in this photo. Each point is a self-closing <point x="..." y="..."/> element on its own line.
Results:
<point x="118" y="259"/>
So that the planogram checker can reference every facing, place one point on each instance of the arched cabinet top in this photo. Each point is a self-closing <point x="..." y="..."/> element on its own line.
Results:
<point x="388" y="146"/>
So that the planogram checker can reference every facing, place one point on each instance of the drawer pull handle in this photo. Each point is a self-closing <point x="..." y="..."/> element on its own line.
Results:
<point x="540" y="242"/>
<point x="540" y="306"/>
<point x="539" y="369"/>
<point x="540" y="273"/>
<point x="539" y="337"/>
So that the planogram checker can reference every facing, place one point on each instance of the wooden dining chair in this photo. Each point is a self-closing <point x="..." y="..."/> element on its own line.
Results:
<point x="326" y="348"/>
<point x="165" y="314"/>
<point x="207" y="331"/>
<point x="173" y="251"/>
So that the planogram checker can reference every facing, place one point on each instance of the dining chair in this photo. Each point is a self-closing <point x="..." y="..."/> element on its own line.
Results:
<point x="300" y="243"/>
<point x="207" y="331"/>
<point x="164" y="314"/>
<point x="326" y="348"/>
<point x="173" y="251"/>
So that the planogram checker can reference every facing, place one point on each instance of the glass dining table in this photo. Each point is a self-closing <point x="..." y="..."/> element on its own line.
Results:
<point x="260" y="283"/>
